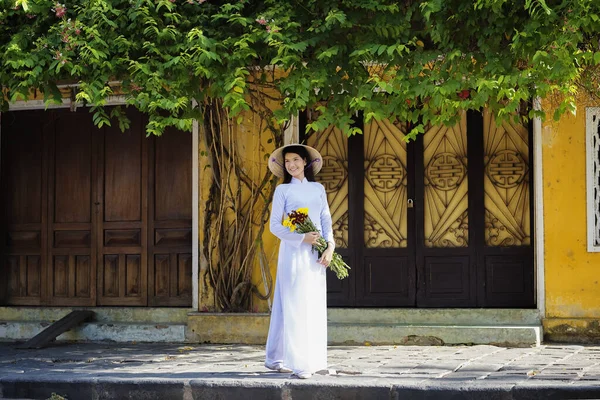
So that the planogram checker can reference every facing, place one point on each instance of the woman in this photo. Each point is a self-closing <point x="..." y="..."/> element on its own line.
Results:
<point x="297" y="339"/>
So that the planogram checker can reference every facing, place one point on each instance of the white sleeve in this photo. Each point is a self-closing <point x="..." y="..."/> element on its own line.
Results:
<point x="326" y="224"/>
<point x="276" y="226"/>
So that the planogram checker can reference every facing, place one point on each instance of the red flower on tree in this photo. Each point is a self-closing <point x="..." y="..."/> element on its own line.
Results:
<point x="60" y="10"/>
<point x="464" y="94"/>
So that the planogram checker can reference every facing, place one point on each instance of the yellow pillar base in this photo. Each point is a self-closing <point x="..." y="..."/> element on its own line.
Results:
<point x="225" y="328"/>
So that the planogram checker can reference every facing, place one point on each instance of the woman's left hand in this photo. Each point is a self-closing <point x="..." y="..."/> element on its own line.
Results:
<point x="326" y="257"/>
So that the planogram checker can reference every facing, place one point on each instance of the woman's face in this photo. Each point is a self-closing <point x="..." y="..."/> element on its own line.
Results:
<point x="294" y="164"/>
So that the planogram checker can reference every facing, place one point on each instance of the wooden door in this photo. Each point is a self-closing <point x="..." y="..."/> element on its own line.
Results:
<point x="71" y="264"/>
<point x="335" y="177"/>
<point x="443" y="221"/>
<point x="446" y="260"/>
<point x="475" y="205"/>
<point x="23" y="211"/>
<point x="170" y="220"/>
<point x="369" y="180"/>
<point x="386" y="262"/>
<point x="505" y="256"/>
<point x="122" y="215"/>
<point x="94" y="216"/>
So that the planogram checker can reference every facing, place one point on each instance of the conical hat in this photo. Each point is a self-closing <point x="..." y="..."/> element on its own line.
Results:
<point x="277" y="165"/>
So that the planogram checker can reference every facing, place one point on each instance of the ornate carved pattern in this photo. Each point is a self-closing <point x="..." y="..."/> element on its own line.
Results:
<point x="377" y="237"/>
<point x="457" y="234"/>
<point x="385" y="185"/>
<point x="506" y="183"/>
<point x="507" y="169"/>
<point x="385" y="173"/>
<point x="333" y="173"/>
<point x="446" y="186"/>
<point x="446" y="171"/>
<point x="333" y="146"/>
<point x="340" y="231"/>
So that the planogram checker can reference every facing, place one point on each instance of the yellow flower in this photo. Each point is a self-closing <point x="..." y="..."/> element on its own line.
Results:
<point x="287" y="223"/>
<point x="303" y="210"/>
<point x="292" y="228"/>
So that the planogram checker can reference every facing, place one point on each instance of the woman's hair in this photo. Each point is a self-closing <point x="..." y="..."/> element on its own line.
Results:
<point x="302" y="152"/>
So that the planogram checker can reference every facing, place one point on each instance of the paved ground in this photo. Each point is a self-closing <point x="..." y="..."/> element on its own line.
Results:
<point x="159" y="371"/>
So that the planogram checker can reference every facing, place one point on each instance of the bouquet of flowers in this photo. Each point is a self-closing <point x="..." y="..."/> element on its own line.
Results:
<point x="299" y="221"/>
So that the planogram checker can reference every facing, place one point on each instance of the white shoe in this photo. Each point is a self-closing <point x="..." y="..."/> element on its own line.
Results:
<point x="279" y="368"/>
<point x="302" y="375"/>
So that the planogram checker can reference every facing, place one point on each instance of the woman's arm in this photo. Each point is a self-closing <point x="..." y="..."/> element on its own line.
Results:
<point x="326" y="223"/>
<point x="276" y="226"/>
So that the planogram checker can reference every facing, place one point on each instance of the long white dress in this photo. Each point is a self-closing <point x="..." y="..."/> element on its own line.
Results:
<point x="298" y="329"/>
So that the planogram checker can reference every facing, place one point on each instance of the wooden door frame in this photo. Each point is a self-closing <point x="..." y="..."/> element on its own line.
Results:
<point x="120" y="101"/>
<point x="538" y="212"/>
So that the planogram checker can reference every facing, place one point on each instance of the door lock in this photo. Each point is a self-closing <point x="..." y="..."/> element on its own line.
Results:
<point x="410" y="203"/>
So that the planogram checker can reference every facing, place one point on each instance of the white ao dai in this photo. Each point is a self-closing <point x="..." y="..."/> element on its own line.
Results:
<point x="298" y="330"/>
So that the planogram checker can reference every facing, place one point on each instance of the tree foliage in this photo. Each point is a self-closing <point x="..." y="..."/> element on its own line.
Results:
<point x="417" y="61"/>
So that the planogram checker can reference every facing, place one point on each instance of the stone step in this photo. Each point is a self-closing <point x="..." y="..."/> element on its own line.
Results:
<point x="98" y="331"/>
<point x="157" y="315"/>
<point x="414" y="334"/>
<point x="452" y="316"/>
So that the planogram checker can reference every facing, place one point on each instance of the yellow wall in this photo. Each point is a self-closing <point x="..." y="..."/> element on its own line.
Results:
<point x="572" y="275"/>
<point x="251" y="140"/>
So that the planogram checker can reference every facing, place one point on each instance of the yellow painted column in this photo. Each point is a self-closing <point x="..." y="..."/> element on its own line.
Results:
<point x="572" y="274"/>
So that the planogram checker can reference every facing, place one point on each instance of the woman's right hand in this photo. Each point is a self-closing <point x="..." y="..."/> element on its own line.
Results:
<point x="311" y="238"/>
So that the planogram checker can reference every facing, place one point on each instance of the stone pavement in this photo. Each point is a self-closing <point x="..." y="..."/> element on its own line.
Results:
<point x="177" y="371"/>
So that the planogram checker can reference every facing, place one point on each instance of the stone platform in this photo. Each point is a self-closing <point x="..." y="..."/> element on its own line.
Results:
<point x="180" y="371"/>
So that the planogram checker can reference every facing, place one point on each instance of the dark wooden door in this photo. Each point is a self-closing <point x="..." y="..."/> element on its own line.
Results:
<point x="443" y="221"/>
<point x="122" y="217"/>
<point x="71" y="265"/>
<point x="93" y="216"/>
<point x="23" y="211"/>
<point x="170" y="220"/>
<point x="369" y="180"/>
<point x="445" y="209"/>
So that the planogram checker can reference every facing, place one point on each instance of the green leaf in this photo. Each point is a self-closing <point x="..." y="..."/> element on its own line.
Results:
<point x="23" y="3"/>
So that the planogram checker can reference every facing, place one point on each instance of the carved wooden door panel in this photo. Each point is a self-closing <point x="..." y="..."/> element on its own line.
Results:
<point x="71" y="274"/>
<point x="387" y="272"/>
<point x="334" y="176"/>
<point x="475" y="205"/>
<point x="506" y="256"/>
<point x="121" y="210"/>
<point x="23" y="211"/>
<point x="368" y="179"/>
<point x="170" y="220"/>
<point x="445" y="257"/>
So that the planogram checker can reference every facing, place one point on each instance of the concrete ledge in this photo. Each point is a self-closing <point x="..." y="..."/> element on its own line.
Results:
<point x="243" y="328"/>
<point x="102" y="314"/>
<point x="117" y="332"/>
<point x="435" y="316"/>
<point x="434" y="335"/>
<point x="253" y="329"/>
<point x="206" y="389"/>
<point x="346" y="326"/>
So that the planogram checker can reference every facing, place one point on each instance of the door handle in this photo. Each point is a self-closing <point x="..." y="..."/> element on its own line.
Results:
<point x="410" y="203"/>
